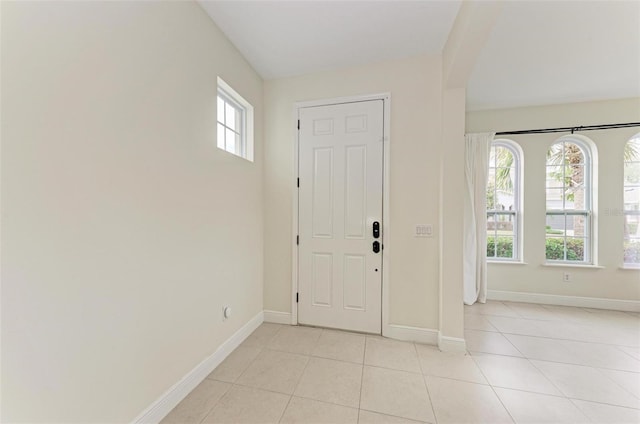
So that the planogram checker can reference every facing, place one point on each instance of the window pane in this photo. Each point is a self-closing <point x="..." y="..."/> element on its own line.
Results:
<point x="575" y="176"/>
<point x="575" y="249"/>
<point x="554" y="176"/>
<point x="220" y="142"/>
<point x="631" y="226"/>
<point x="632" y="198"/>
<point x="574" y="199"/>
<point x="491" y="196"/>
<point x="573" y="154"/>
<point x="230" y="145"/>
<point x="555" y="154"/>
<point x="554" y="248"/>
<point x="632" y="173"/>
<point x="504" y="247"/>
<point x="505" y="201"/>
<point x="504" y="224"/>
<point x="231" y="117"/>
<point x="632" y="252"/>
<point x="555" y="225"/>
<point x="491" y="246"/>
<point x="554" y="198"/>
<point x="505" y="169"/>
<point x="491" y="223"/>
<point x="220" y="110"/>
<point x="577" y="225"/>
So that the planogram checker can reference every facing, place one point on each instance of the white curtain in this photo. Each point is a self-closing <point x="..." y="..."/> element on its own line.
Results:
<point x="477" y="148"/>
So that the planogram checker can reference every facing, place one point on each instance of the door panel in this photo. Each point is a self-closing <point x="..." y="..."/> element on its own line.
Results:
<point x="356" y="195"/>
<point x="322" y="274"/>
<point x="340" y="196"/>
<point x="322" y="208"/>
<point x="355" y="273"/>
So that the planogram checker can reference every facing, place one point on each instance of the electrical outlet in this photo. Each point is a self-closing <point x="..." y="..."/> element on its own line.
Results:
<point x="566" y="277"/>
<point x="226" y="312"/>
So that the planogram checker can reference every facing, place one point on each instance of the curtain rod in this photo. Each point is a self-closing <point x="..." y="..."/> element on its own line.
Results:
<point x="571" y="129"/>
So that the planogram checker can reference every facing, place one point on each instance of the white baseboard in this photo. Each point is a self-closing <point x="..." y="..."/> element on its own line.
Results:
<point x="451" y="344"/>
<point x="553" y="299"/>
<point x="162" y="406"/>
<point x="412" y="334"/>
<point x="276" y="317"/>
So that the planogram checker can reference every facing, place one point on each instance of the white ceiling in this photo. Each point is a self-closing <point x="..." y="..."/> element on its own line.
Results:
<point x="558" y="52"/>
<point x="539" y="52"/>
<point x="286" y="38"/>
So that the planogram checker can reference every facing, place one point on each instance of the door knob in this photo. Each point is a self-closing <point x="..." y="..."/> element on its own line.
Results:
<point x="376" y="246"/>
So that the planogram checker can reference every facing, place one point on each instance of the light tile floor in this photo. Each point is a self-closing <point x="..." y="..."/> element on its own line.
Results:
<point x="525" y="363"/>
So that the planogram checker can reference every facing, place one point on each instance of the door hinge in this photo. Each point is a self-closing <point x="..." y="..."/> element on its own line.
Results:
<point x="297" y="240"/>
<point x="298" y="182"/>
<point x="297" y="297"/>
<point x="298" y="124"/>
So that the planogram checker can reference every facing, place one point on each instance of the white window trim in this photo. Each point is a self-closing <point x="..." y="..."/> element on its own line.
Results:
<point x="589" y="149"/>
<point x="231" y="96"/>
<point x="518" y="245"/>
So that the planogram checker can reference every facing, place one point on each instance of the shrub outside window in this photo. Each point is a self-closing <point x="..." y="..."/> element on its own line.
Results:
<point x="503" y="202"/>
<point x="568" y="203"/>
<point x="631" y="209"/>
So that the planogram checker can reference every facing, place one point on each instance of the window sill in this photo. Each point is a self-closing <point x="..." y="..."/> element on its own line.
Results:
<point x="507" y="262"/>
<point x="569" y="265"/>
<point x="630" y="267"/>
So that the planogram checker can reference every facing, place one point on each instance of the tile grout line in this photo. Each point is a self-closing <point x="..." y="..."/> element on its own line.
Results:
<point x="300" y="378"/>
<point x="424" y="381"/>
<point x="536" y="368"/>
<point x="232" y="383"/>
<point x="626" y="353"/>
<point x="285" y="408"/>
<point x="235" y="383"/>
<point x="564" y="395"/>
<point x="493" y="388"/>
<point x="573" y="400"/>
<point x="364" y="354"/>
<point x="556" y="338"/>
<point x="548" y="360"/>
<point x="633" y="395"/>
<point x="204" y="417"/>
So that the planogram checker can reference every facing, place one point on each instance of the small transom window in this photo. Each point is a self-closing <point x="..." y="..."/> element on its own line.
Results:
<point x="235" y="122"/>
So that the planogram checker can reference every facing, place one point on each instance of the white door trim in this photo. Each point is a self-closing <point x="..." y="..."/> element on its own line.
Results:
<point x="386" y="99"/>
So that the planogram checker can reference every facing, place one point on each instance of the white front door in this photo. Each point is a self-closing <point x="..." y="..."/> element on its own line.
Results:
<point x="340" y="203"/>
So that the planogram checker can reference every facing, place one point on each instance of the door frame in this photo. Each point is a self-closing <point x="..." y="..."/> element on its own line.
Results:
<point x="386" y="221"/>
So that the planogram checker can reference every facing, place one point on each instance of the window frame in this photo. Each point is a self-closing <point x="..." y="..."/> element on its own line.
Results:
<point x="625" y="211"/>
<point x="517" y="249"/>
<point x="245" y="126"/>
<point x="587" y="212"/>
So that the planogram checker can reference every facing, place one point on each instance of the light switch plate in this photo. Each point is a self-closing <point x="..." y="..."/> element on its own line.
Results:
<point x="424" y="230"/>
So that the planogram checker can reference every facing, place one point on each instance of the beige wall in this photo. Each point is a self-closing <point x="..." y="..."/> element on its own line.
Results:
<point x="610" y="281"/>
<point x="416" y="97"/>
<point x="125" y="230"/>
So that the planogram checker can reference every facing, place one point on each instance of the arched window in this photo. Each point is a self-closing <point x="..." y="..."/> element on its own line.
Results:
<point x="569" y="202"/>
<point x="503" y="201"/>
<point x="632" y="202"/>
